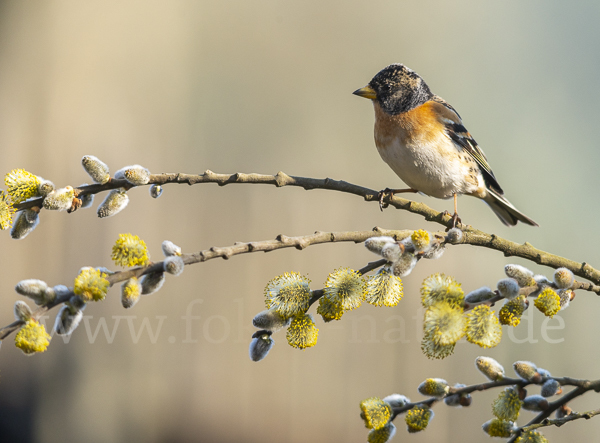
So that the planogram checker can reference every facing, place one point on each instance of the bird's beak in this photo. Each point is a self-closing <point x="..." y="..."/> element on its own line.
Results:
<point x="366" y="92"/>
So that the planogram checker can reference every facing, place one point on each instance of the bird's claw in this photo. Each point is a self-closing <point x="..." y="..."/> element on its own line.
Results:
<point x="381" y="196"/>
<point x="454" y="218"/>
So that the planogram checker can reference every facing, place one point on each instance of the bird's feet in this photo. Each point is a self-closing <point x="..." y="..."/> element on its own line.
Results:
<point x="381" y="195"/>
<point x="455" y="219"/>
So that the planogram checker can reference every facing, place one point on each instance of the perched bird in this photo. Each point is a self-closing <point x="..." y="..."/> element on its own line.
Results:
<point x="422" y="138"/>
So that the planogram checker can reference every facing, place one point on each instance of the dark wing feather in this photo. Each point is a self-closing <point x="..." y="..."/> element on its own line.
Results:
<point x="461" y="137"/>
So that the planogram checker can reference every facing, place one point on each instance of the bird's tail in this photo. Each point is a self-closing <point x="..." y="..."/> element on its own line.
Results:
<point x="506" y="212"/>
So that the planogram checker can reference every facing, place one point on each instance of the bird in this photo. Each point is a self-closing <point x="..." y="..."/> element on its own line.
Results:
<point x="423" y="139"/>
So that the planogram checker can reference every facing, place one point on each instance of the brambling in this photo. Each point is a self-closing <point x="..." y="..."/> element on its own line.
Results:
<point x="422" y="138"/>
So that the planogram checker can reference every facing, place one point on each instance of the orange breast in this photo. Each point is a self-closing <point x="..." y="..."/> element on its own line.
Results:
<point x="419" y="124"/>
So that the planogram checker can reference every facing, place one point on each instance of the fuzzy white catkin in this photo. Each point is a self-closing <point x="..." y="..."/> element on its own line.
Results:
<point x="479" y="295"/>
<point x="96" y="169"/>
<point x="508" y="288"/>
<point x="521" y="274"/>
<point x="60" y="199"/>
<point x="535" y="403"/>
<point x="391" y="252"/>
<point x="454" y="235"/>
<point x="455" y="399"/>
<point x="490" y="368"/>
<point x="396" y="400"/>
<point x="25" y="222"/>
<point x="435" y="251"/>
<point x="260" y="347"/>
<point x="34" y="289"/>
<point x="563" y="278"/>
<point x="169" y="248"/>
<point x="66" y="321"/>
<point x="22" y="311"/>
<point x="525" y="369"/>
<point x="151" y="283"/>
<point x="45" y="187"/>
<point x="86" y="199"/>
<point x="115" y="202"/>
<point x="134" y="174"/>
<point x="376" y="244"/>
<point x="405" y="265"/>
<point x="270" y="320"/>
<point x="550" y="388"/>
<point x="173" y="265"/>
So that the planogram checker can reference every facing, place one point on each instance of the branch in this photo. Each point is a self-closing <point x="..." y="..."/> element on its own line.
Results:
<point x="471" y="235"/>
<point x="280" y="242"/>
<point x="582" y="387"/>
<point x="542" y="417"/>
<point x="558" y="422"/>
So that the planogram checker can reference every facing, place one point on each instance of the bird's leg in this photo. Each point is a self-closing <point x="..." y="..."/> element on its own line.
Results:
<point x="390" y="192"/>
<point x="455" y="217"/>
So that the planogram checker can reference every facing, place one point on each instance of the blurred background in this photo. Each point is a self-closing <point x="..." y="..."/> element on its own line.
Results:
<point x="264" y="86"/>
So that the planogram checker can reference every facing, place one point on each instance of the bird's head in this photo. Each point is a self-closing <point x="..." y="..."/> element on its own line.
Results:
<point x="397" y="89"/>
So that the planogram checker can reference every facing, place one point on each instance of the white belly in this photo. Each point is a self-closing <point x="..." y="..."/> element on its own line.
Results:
<point x="434" y="169"/>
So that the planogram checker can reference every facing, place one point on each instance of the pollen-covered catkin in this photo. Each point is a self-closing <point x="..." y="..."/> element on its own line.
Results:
<point x="130" y="292"/>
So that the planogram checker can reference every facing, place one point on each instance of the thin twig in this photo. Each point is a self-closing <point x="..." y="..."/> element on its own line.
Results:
<point x="583" y="386"/>
<point x="558" y="422"/>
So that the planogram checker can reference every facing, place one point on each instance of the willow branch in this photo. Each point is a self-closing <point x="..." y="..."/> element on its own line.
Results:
<point x="280" y="242"/>
<point x="582" y="386"/>
<point x="558" y="422"/>
<point x="471" y="235"/>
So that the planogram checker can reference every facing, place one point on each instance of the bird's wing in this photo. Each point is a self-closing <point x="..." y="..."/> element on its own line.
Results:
<point x="464" y="141"/>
